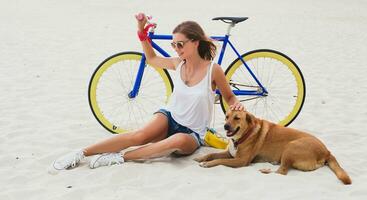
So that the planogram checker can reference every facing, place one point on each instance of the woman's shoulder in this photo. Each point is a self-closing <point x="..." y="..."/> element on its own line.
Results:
<point x="217" y="69"/>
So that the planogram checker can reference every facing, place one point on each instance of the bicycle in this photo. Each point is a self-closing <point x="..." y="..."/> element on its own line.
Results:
<point x="267" y="82"/>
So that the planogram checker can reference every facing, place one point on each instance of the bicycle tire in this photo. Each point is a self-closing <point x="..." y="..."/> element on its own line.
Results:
<point x="116" y="111"/>
<point x="284" y="101"/>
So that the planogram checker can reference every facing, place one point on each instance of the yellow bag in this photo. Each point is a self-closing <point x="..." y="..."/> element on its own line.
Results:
<point x="214" y="140"/>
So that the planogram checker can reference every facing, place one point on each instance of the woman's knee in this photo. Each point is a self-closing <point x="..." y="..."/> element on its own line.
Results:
<point x="139" y="137"/>
<point x="185" y="143"/>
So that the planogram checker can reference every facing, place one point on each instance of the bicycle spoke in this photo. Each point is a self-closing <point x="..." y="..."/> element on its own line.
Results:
<point x="115" y="110"/>
<point x="282" y="102"/>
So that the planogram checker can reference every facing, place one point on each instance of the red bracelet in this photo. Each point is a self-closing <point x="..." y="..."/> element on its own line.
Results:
<point x="143" y="35"/>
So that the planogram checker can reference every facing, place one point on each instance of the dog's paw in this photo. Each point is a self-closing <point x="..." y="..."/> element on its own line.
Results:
<point x="265" y="171"/>
<point x="205" y="164"/>
<point x="200" y="159"/>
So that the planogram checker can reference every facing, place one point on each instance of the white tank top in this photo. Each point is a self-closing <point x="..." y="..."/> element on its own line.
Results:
<point x="192" y="106"/>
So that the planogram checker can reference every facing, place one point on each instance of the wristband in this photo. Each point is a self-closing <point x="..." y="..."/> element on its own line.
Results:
<point x="143" y="35"/>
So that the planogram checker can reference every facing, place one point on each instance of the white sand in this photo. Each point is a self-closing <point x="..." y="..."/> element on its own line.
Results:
<point x="49" y="49"/>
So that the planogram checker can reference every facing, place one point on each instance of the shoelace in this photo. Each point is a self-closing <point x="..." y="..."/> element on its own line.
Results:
<point x="74" y="163"/>
<point x="78" y="157"/>
<point x="111" y="158"/>
<point x="116" y="158"/>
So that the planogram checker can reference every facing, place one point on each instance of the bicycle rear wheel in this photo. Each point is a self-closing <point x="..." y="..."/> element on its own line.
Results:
<point x="280" y="76"/>
<point x="111" y="84"/>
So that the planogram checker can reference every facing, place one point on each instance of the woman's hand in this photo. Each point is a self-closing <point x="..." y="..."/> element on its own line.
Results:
<point x="237" y="106"/>
<point x="142" y="20"/>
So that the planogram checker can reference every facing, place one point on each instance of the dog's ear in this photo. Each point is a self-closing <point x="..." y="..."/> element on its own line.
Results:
<point x="249" y="118"/>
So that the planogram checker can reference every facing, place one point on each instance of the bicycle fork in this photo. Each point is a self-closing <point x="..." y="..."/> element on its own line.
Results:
<point x="139" y="77"/>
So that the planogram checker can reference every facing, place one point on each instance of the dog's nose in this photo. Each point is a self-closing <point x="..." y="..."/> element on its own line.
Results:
<point x="226" y="127"/>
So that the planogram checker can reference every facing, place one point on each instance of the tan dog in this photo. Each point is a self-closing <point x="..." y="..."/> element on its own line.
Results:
<point x="255" y="140"/>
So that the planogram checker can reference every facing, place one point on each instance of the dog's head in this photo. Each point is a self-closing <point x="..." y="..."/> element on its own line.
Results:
<point x="237" y="122"/>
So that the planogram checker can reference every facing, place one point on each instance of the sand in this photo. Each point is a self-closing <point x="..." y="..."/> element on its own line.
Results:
<point x="49" y="50"/>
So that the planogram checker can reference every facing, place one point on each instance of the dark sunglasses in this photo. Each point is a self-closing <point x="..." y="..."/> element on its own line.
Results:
<point x="179" y="44"/>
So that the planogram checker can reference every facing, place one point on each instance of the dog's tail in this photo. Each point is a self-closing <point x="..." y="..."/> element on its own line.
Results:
<point x="339" y="172"/>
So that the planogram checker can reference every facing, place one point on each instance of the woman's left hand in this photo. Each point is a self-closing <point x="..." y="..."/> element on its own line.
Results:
<point x="237" y="106"/>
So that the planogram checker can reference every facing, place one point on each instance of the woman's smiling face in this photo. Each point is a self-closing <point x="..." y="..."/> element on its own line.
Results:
<point x="183" y="46"/>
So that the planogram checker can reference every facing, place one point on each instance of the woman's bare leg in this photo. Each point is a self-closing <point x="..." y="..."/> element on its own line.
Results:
<point x="155" y="130"/>
<point x="179" y="143"/>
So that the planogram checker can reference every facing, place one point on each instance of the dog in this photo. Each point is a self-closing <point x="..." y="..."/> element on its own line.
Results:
<point x="256" y="140"/>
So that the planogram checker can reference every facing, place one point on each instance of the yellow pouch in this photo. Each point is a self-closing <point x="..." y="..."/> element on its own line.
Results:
<point x="214" y="140"/>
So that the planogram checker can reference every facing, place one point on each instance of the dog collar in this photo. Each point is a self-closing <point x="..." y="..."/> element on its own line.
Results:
<point x="244" y="137"/>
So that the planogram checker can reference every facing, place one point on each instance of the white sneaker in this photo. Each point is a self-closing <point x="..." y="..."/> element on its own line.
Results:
<point x="68" y="161"/>
<point x="106" y="159"/>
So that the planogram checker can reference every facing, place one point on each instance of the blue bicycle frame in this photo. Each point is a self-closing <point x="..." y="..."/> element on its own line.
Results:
<point x="225" y="39"/>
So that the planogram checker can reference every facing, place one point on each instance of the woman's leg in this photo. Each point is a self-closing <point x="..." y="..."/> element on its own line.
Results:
<point x="180" y="143"/>
<point x="155" y="130"/>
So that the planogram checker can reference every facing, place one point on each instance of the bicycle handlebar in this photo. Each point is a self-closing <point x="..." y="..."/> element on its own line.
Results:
<point x="150" y="24"/>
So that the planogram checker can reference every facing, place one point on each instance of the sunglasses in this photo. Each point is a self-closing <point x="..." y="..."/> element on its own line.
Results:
<point x="179" y="44"/>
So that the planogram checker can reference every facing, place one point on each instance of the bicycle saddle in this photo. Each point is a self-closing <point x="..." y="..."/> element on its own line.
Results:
<point x="231" y="20"/>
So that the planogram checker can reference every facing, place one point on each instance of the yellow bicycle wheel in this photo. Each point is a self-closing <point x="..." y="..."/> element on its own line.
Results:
<point x="280" y="76"/>
<point x="111" y="84"/>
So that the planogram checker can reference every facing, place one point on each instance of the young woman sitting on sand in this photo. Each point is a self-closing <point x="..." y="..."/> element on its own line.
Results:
<point x="180" y="127"/>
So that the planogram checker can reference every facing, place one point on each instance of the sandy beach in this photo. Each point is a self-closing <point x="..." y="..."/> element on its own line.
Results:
<point x="49" y="50"/>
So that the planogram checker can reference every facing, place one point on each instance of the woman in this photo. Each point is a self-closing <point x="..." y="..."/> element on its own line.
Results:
<point x="180" y="127"/>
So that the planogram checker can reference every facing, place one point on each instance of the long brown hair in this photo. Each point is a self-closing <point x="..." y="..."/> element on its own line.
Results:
<point x="193" y="31"/>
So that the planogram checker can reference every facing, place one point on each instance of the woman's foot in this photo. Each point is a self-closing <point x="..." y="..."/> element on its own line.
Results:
<point x="106" y="159"/>
<point x="68" y="161"/>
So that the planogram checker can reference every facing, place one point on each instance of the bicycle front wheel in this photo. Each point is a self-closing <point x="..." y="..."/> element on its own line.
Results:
<point x="279" y="75"/>
<point x="111" y="84"/>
